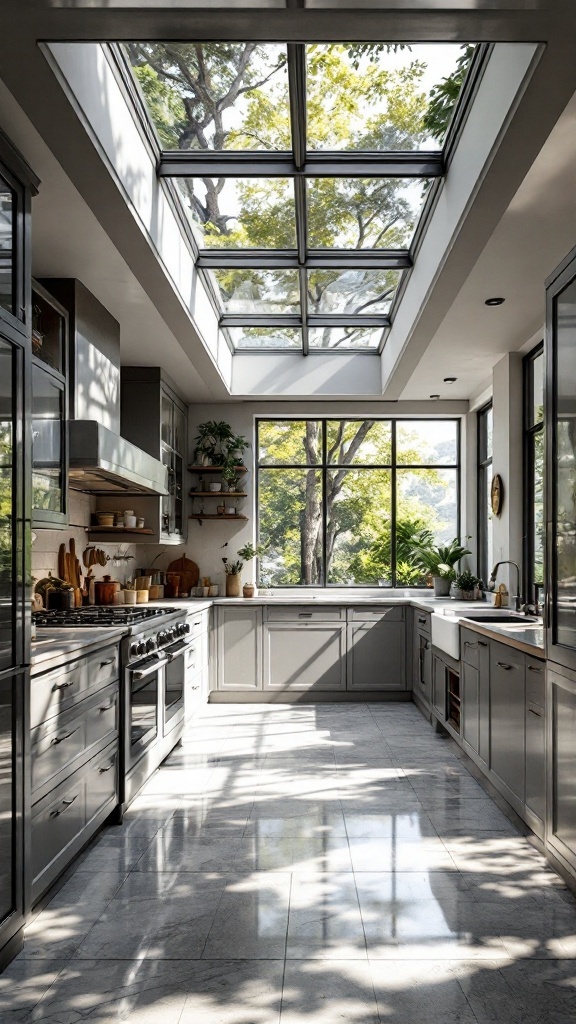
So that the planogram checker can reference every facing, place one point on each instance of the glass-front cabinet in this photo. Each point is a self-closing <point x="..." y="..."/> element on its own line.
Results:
<point x="561" y="463"/>
<point x="49" y="420"/>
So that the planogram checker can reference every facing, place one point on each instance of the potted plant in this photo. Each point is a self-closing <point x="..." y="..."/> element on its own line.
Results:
<point x="439" y="564"/>
<point x="247" y="553"/>
<point x="233" y="570"/>
<point x="218" y="445"/>
<point x="467" y="583"/>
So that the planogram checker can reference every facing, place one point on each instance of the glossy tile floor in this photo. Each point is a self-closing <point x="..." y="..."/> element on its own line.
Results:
<point x="309" y="865"/>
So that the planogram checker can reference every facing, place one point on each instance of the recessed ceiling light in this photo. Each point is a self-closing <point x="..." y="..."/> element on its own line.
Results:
<point x="434" y="396"/>
<point x="496" y="301"/>
<point x="450" y="380"/>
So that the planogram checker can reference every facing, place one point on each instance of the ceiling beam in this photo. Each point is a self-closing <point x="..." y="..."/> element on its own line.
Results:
<point x="188" y="164"/>
<point x="315" y="259"/>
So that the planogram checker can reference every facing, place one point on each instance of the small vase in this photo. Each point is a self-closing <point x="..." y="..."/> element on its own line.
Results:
<point x="248" y="590"/>
<point x="441" y="586"/>
<point x="455" y="592"/>
<point x="233" y="584"/>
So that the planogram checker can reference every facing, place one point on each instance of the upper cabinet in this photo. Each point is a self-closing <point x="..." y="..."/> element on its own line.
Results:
<point x="560" y="426"/>
<point x="49" y="410"/>
<point x="155" y="418"/>
<point x="14" y="250"/>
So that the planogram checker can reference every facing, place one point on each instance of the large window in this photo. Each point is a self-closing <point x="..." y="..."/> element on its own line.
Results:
<point x="343" y="502"/>
<point x="533" y="470"/>
<point x="485" y="550"/>
<point x="302" y="171"/>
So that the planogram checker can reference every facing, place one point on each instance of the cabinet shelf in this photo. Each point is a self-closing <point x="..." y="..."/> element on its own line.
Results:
<point x="215" y="469"/>
<point x="119" y="529"/>
<point x="218" y="494"/>
<point x="222" y="518"/>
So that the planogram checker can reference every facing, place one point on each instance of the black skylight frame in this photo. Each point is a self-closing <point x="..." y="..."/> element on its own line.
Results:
<point x="300" y="165"/>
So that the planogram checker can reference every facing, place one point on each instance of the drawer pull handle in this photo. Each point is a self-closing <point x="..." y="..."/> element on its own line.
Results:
<point x="197" y="623"/>
<point x="109" y="662"/>
<point x="60" y="739"/>
<point x="63" y="686"/>
<point x="60" y="810"/>
<point x="103" y="770"/>
<point x="194" y="687"/>
<point x="532" y="668"/>
<point x="532" y="712"/>
<point x="468" y="643"/>
<point x="304" y="615"/>
<point x="108" y="707"/>
<point x="421" y="621"/>
<point x="482" y="643"/>
<point x="502" y="664"/>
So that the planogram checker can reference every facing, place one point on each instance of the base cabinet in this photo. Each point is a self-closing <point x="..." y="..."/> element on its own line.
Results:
<point x="305" y="656"/>
<point x="238" y="648"/>
<point x="422" y="667"/>
<point x="561" y="773"/>
<point x="475" y="676"/>
<point x="507" y="717"/>
<point x="376" y="655"/>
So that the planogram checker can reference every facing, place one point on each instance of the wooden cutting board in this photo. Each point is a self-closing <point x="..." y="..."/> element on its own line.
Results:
<point x="188" y="572"/>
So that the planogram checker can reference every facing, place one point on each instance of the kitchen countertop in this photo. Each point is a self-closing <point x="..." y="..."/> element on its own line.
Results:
<point x="55" y="643"/>
<point x="524" y="636"/>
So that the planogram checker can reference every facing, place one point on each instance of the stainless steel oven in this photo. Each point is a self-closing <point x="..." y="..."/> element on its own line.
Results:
<point x="145" y="684"/>
<point x="174" y="680"/>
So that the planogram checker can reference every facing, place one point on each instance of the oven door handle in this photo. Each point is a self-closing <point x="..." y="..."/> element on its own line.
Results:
<point x="172" y="655"/>
<point x="142" y="673"/>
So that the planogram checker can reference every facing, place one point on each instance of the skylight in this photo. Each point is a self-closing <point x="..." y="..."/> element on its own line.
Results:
<point x="303" y="171"/>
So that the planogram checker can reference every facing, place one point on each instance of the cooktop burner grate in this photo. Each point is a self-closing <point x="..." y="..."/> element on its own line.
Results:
<point x="103" y="616"/>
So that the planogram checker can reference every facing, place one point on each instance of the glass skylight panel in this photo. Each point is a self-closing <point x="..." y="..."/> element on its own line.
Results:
<point x="344" y="337"/>
<point x="363" y="213"/>
<point x="240" y="213"/>
<point x="215" y="96"/>
<point x="265" y="337"/>
<point x="352" y="292"/>
<point x="378" y="96"/>
<point x="258" y="291"/>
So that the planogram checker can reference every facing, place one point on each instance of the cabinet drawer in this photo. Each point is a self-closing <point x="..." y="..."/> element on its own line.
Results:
<point x="57" y="824"/>
<point x="199" y="623"/>
<point x="56" y="691"/>
<point x="101" y="781"/>
<point x="535" y="681"/>
<point x="55" y="745"/>
<point x="306" y="613"/>
<point x="102" y="666"/>
<point x="197" y="654"/>
<point x="102" y="718"/>
<point x="471" y="646"/>
<point x="422" y="621"/>
<point x="368" y="613"/>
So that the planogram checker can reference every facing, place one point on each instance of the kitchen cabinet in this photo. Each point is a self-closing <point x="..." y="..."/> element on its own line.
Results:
<point x="535" y="739"/>
<point x="49" y="411"/>
<point x="561" y="764"/>
<point x="239" y="647"/>
<point x="422" y="658"/>
<point x="376" y="649"/>
<point x="475" y="674"/>
<point x="507" y="717"/>
<point x="305" y="655"/>
<point x="154" y="417"/>
<point x="197" y="678"/>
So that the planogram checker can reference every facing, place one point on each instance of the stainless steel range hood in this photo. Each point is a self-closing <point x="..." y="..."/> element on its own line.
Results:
<point x="102" y="462"/>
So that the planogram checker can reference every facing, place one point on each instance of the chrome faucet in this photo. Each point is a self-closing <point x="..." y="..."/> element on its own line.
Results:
<point x="517" y="599"/>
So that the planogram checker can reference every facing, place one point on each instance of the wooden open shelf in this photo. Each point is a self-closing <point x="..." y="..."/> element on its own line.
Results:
<point x="119" y="529"/>
<point x="222" y="518"/>
<point x="215" y="469"/>
<point x="218" y="494"/>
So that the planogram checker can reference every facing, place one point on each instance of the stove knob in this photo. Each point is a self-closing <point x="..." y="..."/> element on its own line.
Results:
<point x="180" y="629"/>
<point x="134" y="650"/>
<point x="161" y="638"/>
<point x="142" y="647"/>
<point x="151" y="645"/>
<point x="186" y="628"/>
<point x="171" y="633"/>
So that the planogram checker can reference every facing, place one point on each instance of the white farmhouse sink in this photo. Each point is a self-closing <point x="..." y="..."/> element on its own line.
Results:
<point x="446" y="634"/>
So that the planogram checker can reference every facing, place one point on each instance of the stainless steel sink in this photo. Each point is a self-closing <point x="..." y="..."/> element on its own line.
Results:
<point x="502" y="617"/>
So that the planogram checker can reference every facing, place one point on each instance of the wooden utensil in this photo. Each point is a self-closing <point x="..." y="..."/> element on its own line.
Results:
<point x="62" y="561"/>
<point x="188" y="572"/>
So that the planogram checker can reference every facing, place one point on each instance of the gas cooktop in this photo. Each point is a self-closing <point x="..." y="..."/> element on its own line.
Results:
<point x="102" y="616"/>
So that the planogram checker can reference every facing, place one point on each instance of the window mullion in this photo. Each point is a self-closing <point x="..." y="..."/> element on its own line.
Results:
<point x="393" y="507"/>
<point x="324" y="504"/>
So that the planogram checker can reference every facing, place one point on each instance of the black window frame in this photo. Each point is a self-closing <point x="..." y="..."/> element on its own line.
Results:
<point x="324" y="467"/>
<point x="483" y="464"/>
<point x="530" y="431"/>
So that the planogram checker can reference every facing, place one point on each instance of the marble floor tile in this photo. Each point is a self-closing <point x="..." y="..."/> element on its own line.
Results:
<point x="233" y="992"/>
<point x="399" y="854"/>
<point x="293" y="853"/>
<point x="334" y="992"/>
<point x="325" y="921"/>
<point x="374" y="824"/>
<point x="190" y="853"/>
<point x="410" y="991"/>
<point x="23" y="985"/>
<point x="251" y="919"/>
<point x="111" y="853"/>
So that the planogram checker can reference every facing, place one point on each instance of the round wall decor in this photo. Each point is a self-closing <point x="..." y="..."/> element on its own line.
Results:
<point x="497" y="494"/>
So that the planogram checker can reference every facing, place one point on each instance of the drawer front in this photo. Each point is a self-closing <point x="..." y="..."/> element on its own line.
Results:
<point x="57" y="825"/>
<point x="422" y="621"/>
<point x="199" y="623"/>
<point x="471" y="646"/>
<point x="306" y="613"/>
<point x="102" y="666"/>
<point x="56" y="691"/>
<point x="101" y="781"/>
<point x="197" y="654"/>
<point x="370" y="613"/>
<point x="535" y="681"/>
<point x="55" y="745"/>
<point x="196" y="692"/>
<point x="102" y="719"/>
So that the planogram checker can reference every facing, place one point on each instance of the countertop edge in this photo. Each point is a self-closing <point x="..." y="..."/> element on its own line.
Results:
<point x="495" y="633"/>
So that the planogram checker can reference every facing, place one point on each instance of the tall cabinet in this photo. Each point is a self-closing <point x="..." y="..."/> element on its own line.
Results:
<point x="154" y="417"/>
<point x="560" y="425"/>
<point x="16" y="183"/>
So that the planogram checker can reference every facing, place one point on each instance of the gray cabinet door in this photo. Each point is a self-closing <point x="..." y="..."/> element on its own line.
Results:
<point x="376" y="655"/>
<point x="471" y="705"/>
<point x="439" y="685"/>
<point x="304" y="656"/>
<point x="422" y="681"/>
<point x="507" y="716"/>
<point x="239" y="648"/>
<point x="535" y="759"/>
<point x="561" y="771"/>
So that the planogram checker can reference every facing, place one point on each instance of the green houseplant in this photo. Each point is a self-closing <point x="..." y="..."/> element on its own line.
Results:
<point x="439" y="562"/>
<point x="233" y="569"/>
<point x="218" y="445"/>
<point x="467" y="583"/>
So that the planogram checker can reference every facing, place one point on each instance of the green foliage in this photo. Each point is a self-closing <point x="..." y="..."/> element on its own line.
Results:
<point x="440" y="561"/>
<point x="467" y="581"/>
<point x="221" y="445"/>
<point x="444" y="96"/>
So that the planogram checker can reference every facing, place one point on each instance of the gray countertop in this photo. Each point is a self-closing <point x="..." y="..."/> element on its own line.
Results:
<point x="524" y="636"/>
<point x="55" y="644"/>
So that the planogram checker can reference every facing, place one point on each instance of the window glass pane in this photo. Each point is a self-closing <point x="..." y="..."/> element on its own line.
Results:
<point x="370" y="96"/>
<point x="7" y="502"/>
<point x="290" y="442"/>
<point x="430" y="496"/>
<point x="258" y="291"/>
<point x="489" y="432"/>
<point x="265" y="337"/>
<point x="363" y="213"/>
<point x="215" y="96"/>
<point x="345" y="337"/>
<point x="6" y="247"/>
<point x="427" y="443"/>
<point x="290" y="524"/>
<point x="359" y="442"/>
<point x="358" y="521"/>
<point x="46" y="442"/>
<point x="240" y="213"/>
<point x="537" y="396"/>
<point x="485" y="434"/>
<point x="538" y="525"/>
<point x="352" y="292"/>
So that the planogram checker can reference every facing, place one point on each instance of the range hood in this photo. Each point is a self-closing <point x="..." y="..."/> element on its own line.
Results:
<point x="102" y="462"/>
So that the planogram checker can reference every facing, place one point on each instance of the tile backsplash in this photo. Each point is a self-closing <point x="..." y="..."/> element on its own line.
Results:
<point x="45" y="546"/>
